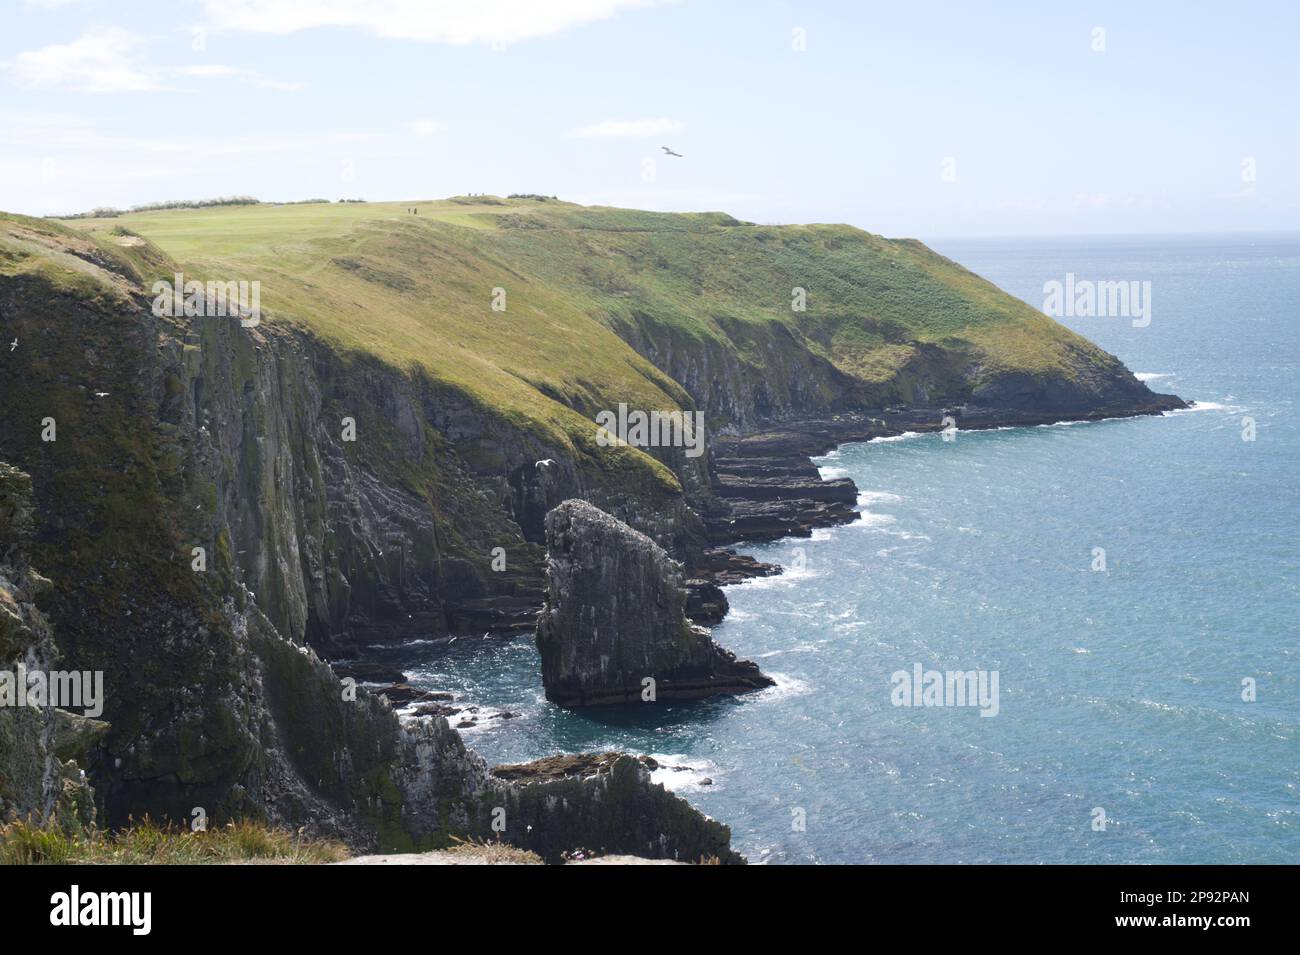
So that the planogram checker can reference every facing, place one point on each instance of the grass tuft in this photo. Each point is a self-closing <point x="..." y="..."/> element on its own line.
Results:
<point x="481" y="852"/>
<point x="147" y="843"/>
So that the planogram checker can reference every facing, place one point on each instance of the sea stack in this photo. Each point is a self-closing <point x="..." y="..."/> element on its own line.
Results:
<point x="614" y="618"/>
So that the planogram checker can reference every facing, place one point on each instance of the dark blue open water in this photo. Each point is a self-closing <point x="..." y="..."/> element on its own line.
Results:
<point x="1119" y="690"/>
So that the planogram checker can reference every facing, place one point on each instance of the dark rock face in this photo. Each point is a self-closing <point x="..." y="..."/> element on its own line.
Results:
<point x="615" y="617"/>
<point x="40" y="777"/>
<point x="724" y="566"/>
<point x="706" y="604"/>
<point x="368" y="672"/>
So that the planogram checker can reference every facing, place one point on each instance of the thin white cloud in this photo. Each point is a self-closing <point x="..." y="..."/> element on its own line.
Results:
<point x="629" y="128"/>
<point x="438" y="21"/>
<point x="425" y="127"/>
<point x="1246" y="192"/>
<point x="102" y="60"/>
<point x="46" y="133"/>
<point x="112" y="60"/>
<point x="676" y="200"/>
<point x="208" y="70"/>
<point x="219" y="71"/>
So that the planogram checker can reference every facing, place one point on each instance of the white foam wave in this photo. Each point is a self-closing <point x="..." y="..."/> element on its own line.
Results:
<point x="786" y="687"/>
<point x="1209" y="406"/>
<point x="678" y="773"/>
<point x="788" y="578"/>
<point x="867" y="498"/>
<point x="871" y="520"/>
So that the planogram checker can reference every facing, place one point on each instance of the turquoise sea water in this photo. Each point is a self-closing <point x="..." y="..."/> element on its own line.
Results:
<point x="1119" y="690"/>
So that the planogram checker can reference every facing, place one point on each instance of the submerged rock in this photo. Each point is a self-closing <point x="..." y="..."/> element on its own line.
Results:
<point x="615" y="619"/>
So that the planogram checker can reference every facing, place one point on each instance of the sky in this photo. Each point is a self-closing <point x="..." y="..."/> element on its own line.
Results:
<point x="926" y="119"/>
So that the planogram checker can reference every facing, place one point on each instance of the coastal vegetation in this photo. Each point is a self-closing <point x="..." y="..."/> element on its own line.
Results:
<point x="149" y="843"/>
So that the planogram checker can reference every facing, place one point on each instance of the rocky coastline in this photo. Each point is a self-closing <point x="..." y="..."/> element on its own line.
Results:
<point x="214" y="536"/>
<point x="766" y="486"/>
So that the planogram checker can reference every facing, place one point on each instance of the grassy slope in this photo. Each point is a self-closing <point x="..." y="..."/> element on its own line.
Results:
<point x="416" y="291"/>
<point x="572" y="268"/>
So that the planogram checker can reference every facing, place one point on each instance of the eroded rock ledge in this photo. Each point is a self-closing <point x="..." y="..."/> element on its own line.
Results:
<point x="615" y="617"/>
<point x="765" y="487"/>
<point x="608" y="800"/>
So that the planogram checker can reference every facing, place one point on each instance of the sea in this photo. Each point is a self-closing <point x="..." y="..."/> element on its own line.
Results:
<point x="1129" y="588"/>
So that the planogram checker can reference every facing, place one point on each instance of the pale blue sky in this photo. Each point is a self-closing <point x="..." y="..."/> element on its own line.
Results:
<point x="104" y="102"/>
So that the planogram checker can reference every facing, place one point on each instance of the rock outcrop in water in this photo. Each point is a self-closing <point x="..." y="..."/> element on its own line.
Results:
<point x="615" y="618"/>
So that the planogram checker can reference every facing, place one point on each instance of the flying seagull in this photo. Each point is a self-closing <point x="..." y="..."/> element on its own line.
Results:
<point x="670" y="152"/>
